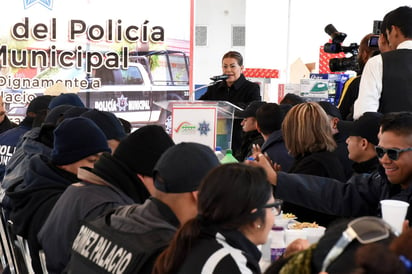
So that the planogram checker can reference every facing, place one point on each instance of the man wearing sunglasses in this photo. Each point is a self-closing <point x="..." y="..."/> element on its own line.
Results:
<point x="362" y="193"/>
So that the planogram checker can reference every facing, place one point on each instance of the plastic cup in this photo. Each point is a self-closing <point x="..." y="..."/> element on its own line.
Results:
<point x="394" y="213"/>
<point x="313" y="234"/>
<point x="293" y="234"/>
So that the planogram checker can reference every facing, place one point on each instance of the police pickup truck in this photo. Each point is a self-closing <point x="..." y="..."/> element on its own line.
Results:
<point x="130" y="93"/>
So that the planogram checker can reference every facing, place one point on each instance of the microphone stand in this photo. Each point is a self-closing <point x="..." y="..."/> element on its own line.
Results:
<point x="204" y="86"/>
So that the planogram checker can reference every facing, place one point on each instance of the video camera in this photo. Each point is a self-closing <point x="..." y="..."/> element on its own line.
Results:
<point x="373" y="41"/>
<point x="341" y="64"/>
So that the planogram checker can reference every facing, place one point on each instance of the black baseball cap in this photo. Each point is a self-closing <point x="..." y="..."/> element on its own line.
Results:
<point x="366" y="126"/>
<point x="250" y="110"/>
<point x="182" y="167"/>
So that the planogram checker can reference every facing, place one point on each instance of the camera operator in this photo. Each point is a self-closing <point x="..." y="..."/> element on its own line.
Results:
<point x="383" y="42"/>
<point x="386" y="81"/>
<point x="350" y="90"/>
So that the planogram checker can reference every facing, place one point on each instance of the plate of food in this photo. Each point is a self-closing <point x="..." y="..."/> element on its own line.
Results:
<point x="289" y="216"/>
<point x="302" y="225"/>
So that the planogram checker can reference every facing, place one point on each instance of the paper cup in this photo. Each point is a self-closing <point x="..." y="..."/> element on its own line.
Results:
<point x="293" y="234"/>
<point x="394" y="213"/>
<point x="280" y="221"/>
<point x="313" y="234"/>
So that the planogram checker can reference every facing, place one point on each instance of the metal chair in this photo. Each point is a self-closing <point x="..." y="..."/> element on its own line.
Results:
<point x="16" y="255"/>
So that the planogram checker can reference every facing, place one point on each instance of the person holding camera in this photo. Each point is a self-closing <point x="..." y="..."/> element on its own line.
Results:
<point x="351" y="88"/>
<point x="387" y="78"/>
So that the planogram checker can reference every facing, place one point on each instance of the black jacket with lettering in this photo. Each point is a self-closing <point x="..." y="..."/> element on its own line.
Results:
<point x="8" y="142"/>
<point x="107" y="186"/>
<point x="221" y="251"/>
<point x="127" y="240"/>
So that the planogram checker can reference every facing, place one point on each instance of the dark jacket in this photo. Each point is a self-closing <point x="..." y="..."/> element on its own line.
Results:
<point x="324" y="164"/>
<point x="9" y="141"/>
<point x="142" y="232"/>
<point x="30" y="144"/>
<point x="342" y="153"/>
<point x="248" y="140"/>
<point x="238" y="254"/>
<point x="33" y="201"/>
<point x="6" y="124"/>
<point x="351" y="94"/>
<point x="276" y="149"/>
<point x="359" y="196"/>
<point x="397" y="81"/>
<point x="368" y="166"/>
<point x="84" y="201"/>
<point x="241" y="93"/>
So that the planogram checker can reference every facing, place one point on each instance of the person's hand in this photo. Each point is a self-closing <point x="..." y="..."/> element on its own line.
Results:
<point x="256" y="150"/>
<point x="265" y="163"/>
<point x="277" y="167"/>
<point x="296" y="246"/>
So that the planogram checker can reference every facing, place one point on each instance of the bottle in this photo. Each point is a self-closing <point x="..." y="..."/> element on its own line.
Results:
<point x="265" y="259"/>
<point x="229" y="158"/>
<point x="277" y="244"/>
<point x="219" y="153"/>
<point x="265" y="250"/>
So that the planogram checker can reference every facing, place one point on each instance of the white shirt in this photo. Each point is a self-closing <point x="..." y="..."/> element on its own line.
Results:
<point x="370" y="87"/>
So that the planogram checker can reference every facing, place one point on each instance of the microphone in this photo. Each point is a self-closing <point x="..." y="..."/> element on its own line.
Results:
<point x="219" y="77"/>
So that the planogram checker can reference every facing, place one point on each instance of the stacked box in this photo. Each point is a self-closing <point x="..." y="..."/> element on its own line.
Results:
<point x="324" y="58"/>
<point x="314" y="88"/>
<point x="335" y="84"/>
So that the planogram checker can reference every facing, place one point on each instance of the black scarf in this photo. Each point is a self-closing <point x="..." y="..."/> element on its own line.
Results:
<point x="120" y="176"/>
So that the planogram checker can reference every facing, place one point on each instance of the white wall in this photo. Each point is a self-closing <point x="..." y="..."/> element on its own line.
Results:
<point x="273" y="38"/>
<point x="353" y="17"/>
<point x="219" y="16"/>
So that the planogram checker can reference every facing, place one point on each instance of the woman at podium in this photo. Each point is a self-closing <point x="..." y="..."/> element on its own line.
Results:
<point x="233" y="87"/>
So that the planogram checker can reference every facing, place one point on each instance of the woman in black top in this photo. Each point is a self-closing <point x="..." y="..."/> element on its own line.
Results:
<point x="236" y="213"/>
<point x="235" y="89"/>
<point x="308" y="138"/>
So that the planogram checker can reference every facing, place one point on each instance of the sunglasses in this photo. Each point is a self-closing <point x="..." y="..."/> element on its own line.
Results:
<point x="365" y="229"/>
<point x="393" y="153"/>
<point x="276" y="207"/>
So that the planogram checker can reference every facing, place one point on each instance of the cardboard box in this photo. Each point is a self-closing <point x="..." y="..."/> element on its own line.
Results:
<point x="324" y="58"/>
<point x="284" y="89"/>
<point x="314" y="88"/>
<point x="336" y="83"/>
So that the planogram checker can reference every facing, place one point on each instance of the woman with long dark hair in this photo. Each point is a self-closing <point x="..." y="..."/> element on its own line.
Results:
<point x="236" y="212"/>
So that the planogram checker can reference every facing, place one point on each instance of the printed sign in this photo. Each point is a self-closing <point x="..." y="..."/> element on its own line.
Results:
<point x="194" y="125"/>
<point x="120" y="56"/>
